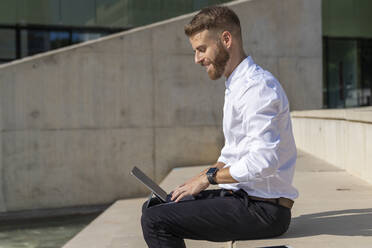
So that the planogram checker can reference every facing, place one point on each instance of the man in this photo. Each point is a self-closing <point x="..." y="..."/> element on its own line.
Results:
<point x="256" y="166"/>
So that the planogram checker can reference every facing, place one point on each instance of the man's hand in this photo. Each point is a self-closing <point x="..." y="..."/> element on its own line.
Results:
<point x="191" y="187"/>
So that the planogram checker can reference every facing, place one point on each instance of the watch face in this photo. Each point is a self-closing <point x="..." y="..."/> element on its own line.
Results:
<point x="212" y="171"/>
<point x="210" y="175"/>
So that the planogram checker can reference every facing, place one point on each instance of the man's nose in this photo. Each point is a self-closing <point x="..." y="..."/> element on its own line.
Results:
<point x="197" y="58"/>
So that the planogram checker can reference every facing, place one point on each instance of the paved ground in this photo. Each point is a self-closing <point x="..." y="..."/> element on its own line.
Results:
<point x="334" y="210"/>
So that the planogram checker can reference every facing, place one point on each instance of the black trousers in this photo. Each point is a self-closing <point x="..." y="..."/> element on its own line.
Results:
<point x="215" y="215"/>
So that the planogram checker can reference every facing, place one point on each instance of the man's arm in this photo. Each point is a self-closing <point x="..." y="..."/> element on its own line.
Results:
<point x="218" y="165"/>
<point x="200" y="182"/>
<point x="224" y="176"/>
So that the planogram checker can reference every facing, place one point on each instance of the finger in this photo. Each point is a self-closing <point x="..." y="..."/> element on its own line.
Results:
<point x="173" y="195"/>
<point x="181" y="196"/>
<point x="180" y="186"/>
<point x="176" y="193"/>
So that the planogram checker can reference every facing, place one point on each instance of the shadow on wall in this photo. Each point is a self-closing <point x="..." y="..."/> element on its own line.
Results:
<point x="351" y="222"/>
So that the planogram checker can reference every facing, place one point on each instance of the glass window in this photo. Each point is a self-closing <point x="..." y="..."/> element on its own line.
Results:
<point x="84" y="36"/>
<point x="348" y="74"/>
<point x="346" y="27"/>
<point x="366" y="77"/>
<point x="342" y="73"/>
<point x="59" y="39"/>
<point x="38" y="41"/>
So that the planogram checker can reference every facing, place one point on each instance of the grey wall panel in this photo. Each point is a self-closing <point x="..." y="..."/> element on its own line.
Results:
<point x="186" y="146"/>
<point x="2" y="201"/>
<point x="46" y="169"/>
<point x="276" y="32"/>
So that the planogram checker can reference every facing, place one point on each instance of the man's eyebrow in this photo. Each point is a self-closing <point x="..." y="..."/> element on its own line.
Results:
<point x="200" y="46"/>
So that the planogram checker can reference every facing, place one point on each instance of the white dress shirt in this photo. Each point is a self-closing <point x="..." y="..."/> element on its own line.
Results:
<point x="259" y="145"/>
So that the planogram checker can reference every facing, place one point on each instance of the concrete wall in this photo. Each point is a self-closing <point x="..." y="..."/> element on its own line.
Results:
<point x="285" y="37"/>
<point x="341" y="137"/>
<point x="76" y="120"/>
<point x="2" y="202"/>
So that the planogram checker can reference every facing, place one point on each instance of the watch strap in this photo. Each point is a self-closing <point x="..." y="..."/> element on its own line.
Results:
<point x="211" y="173"/>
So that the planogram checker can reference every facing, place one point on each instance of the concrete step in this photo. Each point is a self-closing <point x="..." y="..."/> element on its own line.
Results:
<point x="334" y="210"/>
<point x="119" y="225"/>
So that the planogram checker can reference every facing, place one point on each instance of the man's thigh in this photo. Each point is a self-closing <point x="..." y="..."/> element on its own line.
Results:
<point x="213" y="216"/>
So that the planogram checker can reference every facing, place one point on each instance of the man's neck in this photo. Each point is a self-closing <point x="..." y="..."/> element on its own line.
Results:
<point x="234" y="62"/>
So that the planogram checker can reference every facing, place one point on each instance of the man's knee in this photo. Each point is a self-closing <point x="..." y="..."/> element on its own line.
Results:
<point x="144" y="206"/>
<point x="149" y="213"/>
<point x="150" y="203"/>
<point x="150" y="219"/>
<point x="146" y="219"/>
<point x="156" y="230"/>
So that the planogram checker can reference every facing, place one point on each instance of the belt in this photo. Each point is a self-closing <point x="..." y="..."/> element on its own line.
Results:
<point x="284" y="202"/>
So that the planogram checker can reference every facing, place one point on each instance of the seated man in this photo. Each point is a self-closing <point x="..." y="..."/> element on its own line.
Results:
<point x="256" y="166"/>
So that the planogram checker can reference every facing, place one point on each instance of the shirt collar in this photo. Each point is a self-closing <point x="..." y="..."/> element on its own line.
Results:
<point x="245" y="67"/>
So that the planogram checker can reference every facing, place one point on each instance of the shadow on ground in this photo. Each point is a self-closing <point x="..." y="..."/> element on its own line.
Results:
<point x="351" y="222"/>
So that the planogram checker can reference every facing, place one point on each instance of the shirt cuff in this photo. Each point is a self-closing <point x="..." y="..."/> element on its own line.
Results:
<point x="239" y="173"/>
<point x="222" y="160"/>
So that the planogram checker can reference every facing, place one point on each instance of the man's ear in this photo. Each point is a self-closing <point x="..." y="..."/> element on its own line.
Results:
<point x="226" y="39"/>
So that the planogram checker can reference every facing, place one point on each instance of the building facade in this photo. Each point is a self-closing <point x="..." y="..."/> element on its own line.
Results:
<point x="31" y="27"/>
<point x="347" y="52"/>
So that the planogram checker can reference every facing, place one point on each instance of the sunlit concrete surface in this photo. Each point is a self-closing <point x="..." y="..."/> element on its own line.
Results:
<point x="342" y="137"/>
<point x="334" y="210"/>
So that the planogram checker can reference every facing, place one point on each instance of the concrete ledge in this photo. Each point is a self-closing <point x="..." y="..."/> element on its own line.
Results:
<point x="336" y="114"/>
<point x="363" y="114"/>
<point x="334" y="208"/>
<point x="119" y="226"/>
<point x="341" y="137"/>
